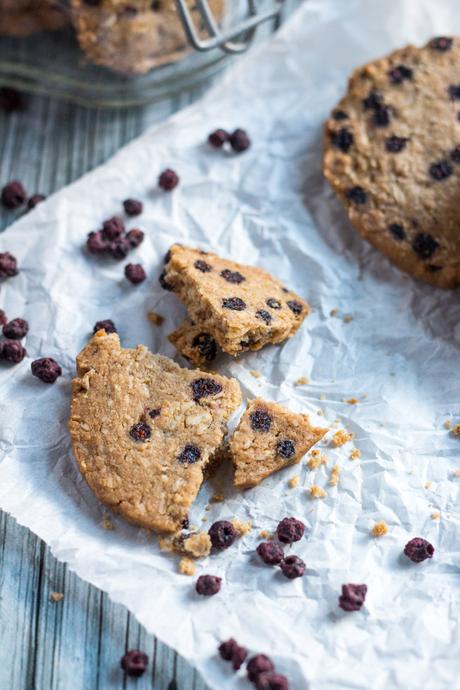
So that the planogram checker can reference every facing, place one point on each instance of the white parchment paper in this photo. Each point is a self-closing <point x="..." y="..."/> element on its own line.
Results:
<point x="398" y="355"/>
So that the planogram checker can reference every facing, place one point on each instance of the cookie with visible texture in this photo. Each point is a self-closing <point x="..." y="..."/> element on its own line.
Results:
<point x="392" y="155"/>
<point x="194" y="343"/>
<point x="144" y="430"/>
<point x="241" y="307"/>
<point x="133" y="37"/>
<point x="268" y="438"/>
<point x="25" y="17"/>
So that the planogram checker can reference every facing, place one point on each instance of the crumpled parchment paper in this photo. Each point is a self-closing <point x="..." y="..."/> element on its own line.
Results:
<point x="398" y="355"/>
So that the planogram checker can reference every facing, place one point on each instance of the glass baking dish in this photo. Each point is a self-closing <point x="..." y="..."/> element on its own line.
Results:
<point x="109" y="53"/>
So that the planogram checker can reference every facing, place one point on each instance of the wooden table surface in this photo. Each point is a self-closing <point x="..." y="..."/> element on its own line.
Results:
<point x="74" y="644"/>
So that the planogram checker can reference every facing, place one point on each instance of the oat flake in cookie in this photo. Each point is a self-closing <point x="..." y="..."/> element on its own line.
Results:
<point x="148" y="467"/>
<point x="240" y="307"/>
<point x="393" y="157"/>
<point x="268" y="438"/>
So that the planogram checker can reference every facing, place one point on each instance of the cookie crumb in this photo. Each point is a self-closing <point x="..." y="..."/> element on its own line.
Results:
<point x="379" y="529"/>
<point x="56" y="596"/>
<point x="265" y="534"/>
<point x="352" y="401"/>
<point x="355" y="454"/>
<point x="456" y="430"/>
<point x="341" y="437"/>
<point x="155" y="318"/>
<point x="186" y="566"/>
<point x="217" y="498"/>
<point x="302" y="381"/>
<point x="348" y="318"/>
<point x="316" y="460"/>
<point x="241" y="527"/>
<point x="322" y="396"/>
<point x="333" y="312"/>
<point x="448" y="424"/>
<point x="107" y="523"/>
<point x="255" y="373"/>
<point x="320" y="413"/>
<point x="428" y="485"/>
<point x="166" y="544"/>
<point x="198" y="545"/>
<point x="317" y="492"/>
<point x="457" y="473"/>
<point x="293" y="482"/>
<point x="436" y="515"/>
<point x="335" y="476"/>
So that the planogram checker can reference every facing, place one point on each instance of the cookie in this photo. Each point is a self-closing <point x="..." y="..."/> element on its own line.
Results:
<point x="392" y="155"/>
<point x="132" y="37"/>
<point x="268" y="438"/>
<point x="143" y="429"/>
<point x="241" y="307"/>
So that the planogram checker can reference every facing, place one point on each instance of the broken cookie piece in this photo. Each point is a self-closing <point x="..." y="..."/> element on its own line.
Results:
<point x="268" y="438"/>
<point x="240" y="307"/>
<point x="143" y="429"/>
<point x="194" y="343"/>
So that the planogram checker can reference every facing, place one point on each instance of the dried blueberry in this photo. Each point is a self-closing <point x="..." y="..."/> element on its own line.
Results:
<point x="272" y="681"/>
<point x="239" y="140"/>
<point x="292" y="567"/>
<point x="239" y="656"/>
<point x="13" y="194"/>
<point x="285" y="448"/>
<point x="418" y="550"/>
<point x="113" y="228"/>
<point x="231" y="651"/>
<point x="295" y="307"/>
<point x="208" y="585"/>
<point x="135" y="273"/>
<point x="424" y="245"/>
<point x="441" y="43"/>
<point x="3" y="318"/>
<point x="395" y="144"/>
<point x="397" y="230"/>
<point x="206" y="345"/>
<point x="189" y="455"/>
<point x="273" y="303"/>
<point x="222" y="534"/>
<point x="135" y="237"/>
<point x="357" y="195"/>
<point x="400" y="73"/>
<point x="441" y="170"/>
<point x="260" y="420"/>
<point x="120" y="248"/>
<point x="258" y="664"/>
<point x="16" y="329"/>
<point x="455" y="154"/>
<point x="154" y="412"/>
<point x="339" y="115"/>
<point x="290" y="530"/>
<point x="218" y="138"/>
<point x="95" y="243"/>
<point x="381" y="116"/>
<point x="234" y="303"/>
<point x="12" y="351"/>
<point x="168" y="180"/>
<point x="373" y="101"/>
<point x="454" y="92"/>
<point x="34" y="200"/>
<point x="232" y="276"/>
<point x="185" y="524"/>
<point x="46" y="369"/>
<point x="203" y="387"/>
<point x="8" y="265"/>
<point x="264" y="316"/>
<point x="140" y="432"/>
<point x="164" y="283"/>
<point x="134" y="663"/>
<point x="343" y="139"/>
<point x="132" y="207"/>
<point x="202" y="266"/>
<point x="106" y="325"/>
<point x="270" y="552"/>
<point x="352" y="597"/>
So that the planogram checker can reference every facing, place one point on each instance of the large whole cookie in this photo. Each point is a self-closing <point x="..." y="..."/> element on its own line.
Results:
<point x="133" y="37"/>
<point x="143" y="429"/>
<point x="392" y="154"/>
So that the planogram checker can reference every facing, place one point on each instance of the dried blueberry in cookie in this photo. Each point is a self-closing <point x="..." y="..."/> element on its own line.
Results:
<point x="234" y="303"/>
<point x="203" y="387"/>
<point x="140" y="432"/>
<point x="400" y="73"/>
<point x="343" y="139"/>
<point x="202" y="266"/>
<point x="260" y="420"/>
<point x="424" y="245"/>
<point x="232" y="276"/>
<point x="264" y="315"/>
<point x="395" y="144"/>
<point x="189" y="455"/>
